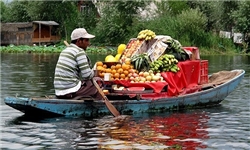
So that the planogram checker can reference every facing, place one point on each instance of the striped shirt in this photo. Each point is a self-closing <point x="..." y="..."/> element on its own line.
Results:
<point x="72" y="66"/>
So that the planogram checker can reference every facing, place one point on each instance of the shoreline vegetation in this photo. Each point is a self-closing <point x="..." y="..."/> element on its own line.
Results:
<point x="208" y="25"/>
<point x="100" y="49"/>
<point x="53" y="49"/>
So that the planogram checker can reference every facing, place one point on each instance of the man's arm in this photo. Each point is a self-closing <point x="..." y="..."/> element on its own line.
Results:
<point x="84" y="66"/>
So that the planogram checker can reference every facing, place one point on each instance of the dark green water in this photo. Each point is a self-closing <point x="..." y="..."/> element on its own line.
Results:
<point x="222" y="127"/>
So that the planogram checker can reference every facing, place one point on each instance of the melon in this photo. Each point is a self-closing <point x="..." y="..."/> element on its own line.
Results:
<point x="121" y="48"/>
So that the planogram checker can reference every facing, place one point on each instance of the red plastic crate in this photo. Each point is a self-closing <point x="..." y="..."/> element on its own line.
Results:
<point x="203" y="72"/>
<point x="195" y="52"/>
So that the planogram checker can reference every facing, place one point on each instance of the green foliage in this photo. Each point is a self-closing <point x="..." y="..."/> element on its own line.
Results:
<point x="188" y="27"/>
<point x="88" y="17"/>
<point x="101" y="50"/>
<point x="30" y="49"/>
<point x="190" y="22"/>
<point x="242" y="17"/>
<point x="51" y="49"/>
<point x="176" y="7"/>
<point x="162" y="8"/>
<point x="211" y="9"/>
<point x="3" y="9"/>
<point x="226" y="18"/>
<point x="171" y="7"/>
<point x="17" y="12"/>
<point x="116" y="20"/>
<point x="63" y="12"/>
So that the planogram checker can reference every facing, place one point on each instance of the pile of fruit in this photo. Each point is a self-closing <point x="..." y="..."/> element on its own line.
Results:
<point x="131" y="49"/>
<point x="146" y="35"/>
<point x="135" y="66"/>
<point x="117" y="71"/>
<point x="145" y="77"/>
<point x="165" y="63"/>
<point x="116" y="58"/>
<point x="127" y="72"/>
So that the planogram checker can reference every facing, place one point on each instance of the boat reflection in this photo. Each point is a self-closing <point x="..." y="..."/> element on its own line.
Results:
<point x="176" y="131"/>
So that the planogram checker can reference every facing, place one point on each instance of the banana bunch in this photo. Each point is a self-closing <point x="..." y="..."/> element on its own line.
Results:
<point x="165" y="63"/>
<point x="141" y="62"/>
<point x="146" y="34"/>
<point x="175" y="47"/>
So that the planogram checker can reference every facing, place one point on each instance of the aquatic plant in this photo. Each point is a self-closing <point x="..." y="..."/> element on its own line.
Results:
<point x="51" y="49"/>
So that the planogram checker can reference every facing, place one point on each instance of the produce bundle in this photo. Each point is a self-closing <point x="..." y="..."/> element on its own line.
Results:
<point x="165" y="63"/>
<point x="141" y="62"/>
<point x="175" y="48"/>
<point x="146" y="34"/>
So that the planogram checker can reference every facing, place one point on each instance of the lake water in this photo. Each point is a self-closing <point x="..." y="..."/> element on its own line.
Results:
<point x="224" y="127"/>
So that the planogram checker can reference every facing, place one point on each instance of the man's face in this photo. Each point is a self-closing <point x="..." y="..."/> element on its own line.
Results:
<point x="83" y="43"/>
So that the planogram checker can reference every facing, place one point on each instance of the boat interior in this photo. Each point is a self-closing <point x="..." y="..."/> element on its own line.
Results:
<point x="214" y="80"/>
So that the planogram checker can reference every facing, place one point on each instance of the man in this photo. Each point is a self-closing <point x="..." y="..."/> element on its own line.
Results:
<point x="73" y="73"/>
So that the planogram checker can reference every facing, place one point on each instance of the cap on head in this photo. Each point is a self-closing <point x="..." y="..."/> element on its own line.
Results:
<point x="80" y="33"/>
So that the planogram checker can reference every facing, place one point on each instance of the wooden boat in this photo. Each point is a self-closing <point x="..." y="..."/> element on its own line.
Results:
<point x="208" y="95"/>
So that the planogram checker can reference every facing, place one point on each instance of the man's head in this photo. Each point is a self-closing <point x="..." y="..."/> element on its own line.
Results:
<point x="81" y="37"/>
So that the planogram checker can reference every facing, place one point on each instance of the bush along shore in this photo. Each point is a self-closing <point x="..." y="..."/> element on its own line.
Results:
<point x="52" y="49"/>
<point x="95" y="50"/>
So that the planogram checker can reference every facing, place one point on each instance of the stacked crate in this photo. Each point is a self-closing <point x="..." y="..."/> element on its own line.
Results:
<point x="203" y="72"/>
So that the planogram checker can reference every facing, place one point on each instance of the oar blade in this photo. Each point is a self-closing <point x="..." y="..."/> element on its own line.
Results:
<point x="110" y="107"/>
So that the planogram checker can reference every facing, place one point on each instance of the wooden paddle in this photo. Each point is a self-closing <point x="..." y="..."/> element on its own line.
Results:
<point x="66" y="43"/>
<point x="111" y="107"/>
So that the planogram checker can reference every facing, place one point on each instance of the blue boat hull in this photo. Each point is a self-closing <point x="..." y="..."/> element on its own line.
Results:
<point x="52" y="106"/>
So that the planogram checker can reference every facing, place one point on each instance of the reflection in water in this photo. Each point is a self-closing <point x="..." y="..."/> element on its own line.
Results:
<point x="176" y="131"/>
<point x="24" y="118"/>
<point x="172" y="131"/>
<point x="30" y="135"/>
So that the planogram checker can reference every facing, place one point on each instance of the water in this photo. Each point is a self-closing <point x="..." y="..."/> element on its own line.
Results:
<point x="226" y="126"/>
